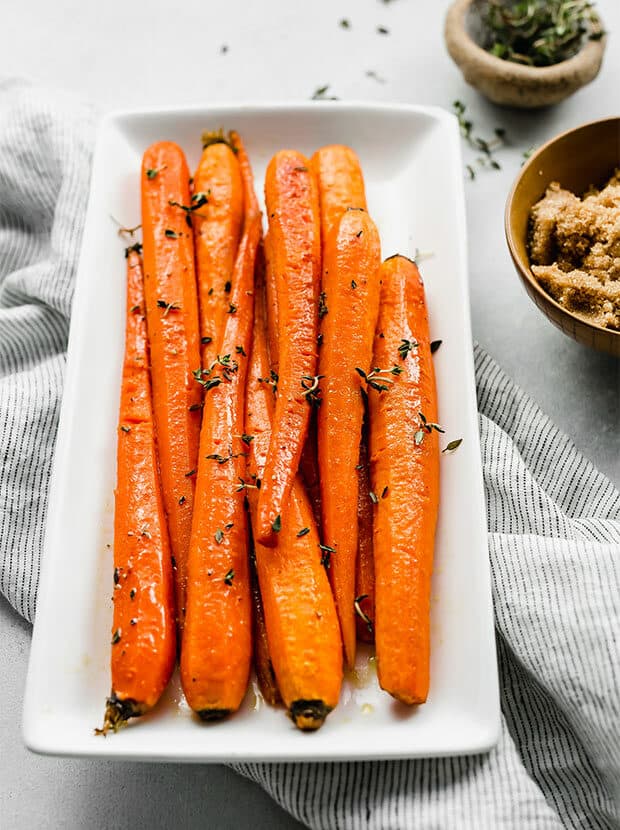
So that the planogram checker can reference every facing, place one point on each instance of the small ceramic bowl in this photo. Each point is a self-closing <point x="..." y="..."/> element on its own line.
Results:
<point x="512" y="84"/>
<point x="577" y="159"/>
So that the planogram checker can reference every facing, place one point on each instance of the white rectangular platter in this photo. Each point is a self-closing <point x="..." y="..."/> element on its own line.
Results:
<point x="412" y="165"/>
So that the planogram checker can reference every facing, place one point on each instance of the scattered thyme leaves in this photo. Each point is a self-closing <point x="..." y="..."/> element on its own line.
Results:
<point x="452" y="446"/>
<point x="303" y="532"/>
<point x="435" y="344"/>
<point x="312" y="391"/>
<point x="536" y="32"/>
<point x="323" y="310"/>
<point x="228" y="579"/>
<point x="219" y="536"/>
<point x="406" y="346"/>
<point x="320" y="94"/>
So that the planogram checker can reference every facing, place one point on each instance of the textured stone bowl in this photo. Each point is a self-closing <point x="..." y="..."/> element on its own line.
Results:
<point x="512" y="84"/>
<point x="579" y="158"/>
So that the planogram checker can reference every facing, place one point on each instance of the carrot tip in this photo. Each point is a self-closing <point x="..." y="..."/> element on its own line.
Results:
<point x="117" y="713"/>
<point x="308" y="715"/>
<point x="209" y="715"/>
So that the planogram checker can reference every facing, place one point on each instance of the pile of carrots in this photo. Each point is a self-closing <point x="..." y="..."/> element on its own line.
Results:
<point x="278" y="455"/>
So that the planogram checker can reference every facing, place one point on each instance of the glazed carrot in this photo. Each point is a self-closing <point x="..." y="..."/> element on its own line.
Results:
<point x="143" y="631"/>
<point x="365" y="573"/>
<point x="308" y="462"/>
<point x="251" y="210"/>
<point x="172" y="321"/>
<point x="217" y="640"/>
<point x="300" y="616"/>
<point x="405" y="467"/>
<point x="341" y="184"/>
<point x="294" y="232"/>
<point x="263" y="666"/>
<point x="351" y="264"/>
<point x="272" y="306"/>
<point x="217" y="218"/>
<point x="309" y="469"/>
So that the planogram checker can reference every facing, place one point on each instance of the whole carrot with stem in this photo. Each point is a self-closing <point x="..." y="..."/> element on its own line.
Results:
<point x="365" y="569"/>
<point x="352" y="259"/>
<point x="143" y="629"/>
<point x="172" y="321"/>
<point x="341" y="184"/>
<point x="300" y="617"/>
<point x="217" y="640"/>
<point x="217" y="216"/>
<point x="295" y="249"/>
<point x="405" y="474"/>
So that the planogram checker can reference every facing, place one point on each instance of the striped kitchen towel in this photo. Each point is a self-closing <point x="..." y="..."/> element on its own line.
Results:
<point x="554" y="537"/>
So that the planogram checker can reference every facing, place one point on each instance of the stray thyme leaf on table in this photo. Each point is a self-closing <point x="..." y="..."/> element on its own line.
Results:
<point x="320" y="94"/>
<point x="487" y="147"/>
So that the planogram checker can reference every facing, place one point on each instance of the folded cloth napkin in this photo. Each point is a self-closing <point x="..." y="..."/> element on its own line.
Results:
<point x="554" y="536"/>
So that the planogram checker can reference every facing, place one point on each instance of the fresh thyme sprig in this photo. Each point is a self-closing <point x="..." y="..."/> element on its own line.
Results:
<point x="425" y="428"/>
<point x="272" y="381"/>
<point x="378" y="378"/>
<point x="312" y="391"/>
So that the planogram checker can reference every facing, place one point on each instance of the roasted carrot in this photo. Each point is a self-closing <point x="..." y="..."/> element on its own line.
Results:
<point x="341" y="184"/>
<point x="308" y="462"/>
<point x="272" y="306"/>
<point x="405" y="475"/>
<point x="217" y="217"/>
<point x="143" y="630"/>
<point x="352" y="259"/>
<point x="365" y="573"/>
<point x="251" y="209"/>
<point x="172" y="321"/>
<point x="309" y="469"/>
<point x="295" y="248"/>
<point x="263" y="666"/>
<point x="300" y="616"/>
<point x="217" y="640"/>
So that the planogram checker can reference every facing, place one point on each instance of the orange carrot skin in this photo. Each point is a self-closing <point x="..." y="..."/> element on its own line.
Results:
<point x="143" y="629"/>
<point x="263" y="666"/>
<point x="365" y="574"/>
<point x="172" y="320"/>
<point x="405" y="520"/>
<point x="217" y="639"/>
<point x="272" y="306"/>
<point x="309" y="470"/>
<point x="217" y="230"/>
<point x="291" y="197"/>
<point x="300" y="615"/>
<point x="251" y="209"/>
<point x="341" y="184"/>
<point x="352" y="259"/>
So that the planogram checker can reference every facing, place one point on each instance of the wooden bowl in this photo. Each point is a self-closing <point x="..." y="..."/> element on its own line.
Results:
<point x="512" y="84"/>
<point x="578" y="158"/>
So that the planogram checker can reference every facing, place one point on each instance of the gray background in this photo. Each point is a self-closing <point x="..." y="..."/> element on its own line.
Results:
<point x="121" y="54"/>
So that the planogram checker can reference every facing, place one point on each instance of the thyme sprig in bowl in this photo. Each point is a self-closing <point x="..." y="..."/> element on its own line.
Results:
<point x="526" y="53"/>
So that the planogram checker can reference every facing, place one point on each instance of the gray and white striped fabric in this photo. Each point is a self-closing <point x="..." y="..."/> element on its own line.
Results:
<point x="554" y="535"/>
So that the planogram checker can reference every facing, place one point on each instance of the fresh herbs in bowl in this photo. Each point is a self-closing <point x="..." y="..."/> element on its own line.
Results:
<point x="536" y="32"/>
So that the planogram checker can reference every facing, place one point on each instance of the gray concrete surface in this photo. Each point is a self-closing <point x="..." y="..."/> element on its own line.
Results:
<point x="121" y="54"/>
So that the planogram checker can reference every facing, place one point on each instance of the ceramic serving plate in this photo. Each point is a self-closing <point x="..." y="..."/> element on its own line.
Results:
<point x="412" y="165"/>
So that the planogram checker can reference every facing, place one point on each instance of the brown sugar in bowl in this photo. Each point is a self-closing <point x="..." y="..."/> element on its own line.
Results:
<point x="577" y="159"/>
